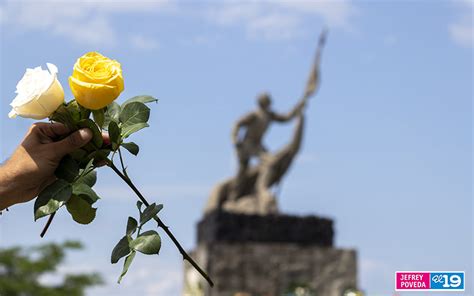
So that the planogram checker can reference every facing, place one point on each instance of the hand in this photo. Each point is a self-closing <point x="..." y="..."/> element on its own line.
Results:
<point x="301" y="106"/>
<point x="32" y="165"/>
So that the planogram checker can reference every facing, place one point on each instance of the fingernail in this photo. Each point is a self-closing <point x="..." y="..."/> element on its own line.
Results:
<point x="86" y="134"/>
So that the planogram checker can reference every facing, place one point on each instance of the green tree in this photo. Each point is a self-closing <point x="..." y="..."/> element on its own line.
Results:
<point x="21" y="269"/>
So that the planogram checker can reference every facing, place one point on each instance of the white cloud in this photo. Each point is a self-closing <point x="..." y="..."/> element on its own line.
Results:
<point x="275" y="26"/>
<point x="143" y="42"/>
<point x="89" y="22"/>
<point x="143" y="278"/>
<point x="82" y="21"/>
<point x="280" y="19"/>
<point x="95" y="31"/>
<point x="167" y="285"/>
<point x="63" y="270"/>
<point x="462" y="31"/>
<point x="335" y="13"/>
<point x="129" y="5"/>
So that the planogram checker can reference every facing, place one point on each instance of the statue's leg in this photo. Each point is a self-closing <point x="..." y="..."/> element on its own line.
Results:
<point x="238" y="186"/>
<point x="266" y="201"/>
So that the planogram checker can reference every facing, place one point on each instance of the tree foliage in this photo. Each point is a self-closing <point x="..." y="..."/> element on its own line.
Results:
<point x="21" y="270"/>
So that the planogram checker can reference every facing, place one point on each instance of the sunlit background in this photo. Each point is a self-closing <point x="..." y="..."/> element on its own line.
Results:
<point x="387" y="146"/>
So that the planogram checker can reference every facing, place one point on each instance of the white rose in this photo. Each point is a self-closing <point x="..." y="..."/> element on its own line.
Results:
<point x="39" y="94"/>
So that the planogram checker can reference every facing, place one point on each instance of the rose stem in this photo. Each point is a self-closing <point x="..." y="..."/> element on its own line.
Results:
<point x="50" y="219"/>
<point x="161" y="224"/>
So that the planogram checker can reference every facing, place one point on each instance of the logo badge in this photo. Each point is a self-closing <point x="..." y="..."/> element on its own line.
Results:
<point x="429" y="281"/>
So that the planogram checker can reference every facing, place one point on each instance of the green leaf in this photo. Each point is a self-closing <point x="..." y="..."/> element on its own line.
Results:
<point x="81" y="211"/>
<point x="64" y="116"/>
<point x="112" y="113"/>
<point x="68" y="169"/>
<point x="99" y="155"/>
<point x="52" y="198"/>
<point x="133" y="113"/>
<point x="85" y="113"/>
<point x="120" y="250"/>
<point x="97" y="138"/>
<point x="148" y="243"/>
<point x="126" y="265"/>
<point x="76" y="111"/>
<point x="139" y="206"/>
<point x="131" y="147"/>
<point x="81" y="156"/>
<point x="128" y="130"/>
<point x="114" y="134"/>
<point x="142" y="99"/>
<point x="131" y="226"/>
<point x="89" y="165"/>
<point x="99" y="117"/>
<point x="83" y="189"/>
<point x="88" y="179"/>
<point x="150" y="212"/>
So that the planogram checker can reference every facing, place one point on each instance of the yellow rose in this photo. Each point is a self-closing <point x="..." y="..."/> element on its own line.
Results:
<point x="96" y="80"/>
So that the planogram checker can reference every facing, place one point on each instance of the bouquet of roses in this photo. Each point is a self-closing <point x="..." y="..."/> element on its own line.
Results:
<point x="96" y="83"/>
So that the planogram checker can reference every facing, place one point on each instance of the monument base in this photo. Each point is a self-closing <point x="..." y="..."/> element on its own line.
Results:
<point x="260" y="260"/>
<point x="260" y="269"/>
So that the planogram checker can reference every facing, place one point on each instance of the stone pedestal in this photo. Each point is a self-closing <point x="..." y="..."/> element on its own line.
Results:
<point x="269" y="256"/>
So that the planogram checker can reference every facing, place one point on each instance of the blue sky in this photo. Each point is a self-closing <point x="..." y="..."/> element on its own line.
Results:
<point x="388" y="142"/>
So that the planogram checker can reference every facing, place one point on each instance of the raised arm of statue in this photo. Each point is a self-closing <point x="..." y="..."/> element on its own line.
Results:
<point x="290" y="115"/>
<point x="243" y="121"/>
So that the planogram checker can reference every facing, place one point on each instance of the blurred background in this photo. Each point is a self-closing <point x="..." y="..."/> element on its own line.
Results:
<point x="388" y="143"/>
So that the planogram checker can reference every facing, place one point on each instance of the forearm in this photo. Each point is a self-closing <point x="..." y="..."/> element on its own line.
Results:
<point x="7" y="187"/>
<point x="290" y="115"/>
<point x="18" y="180"/>
<point x="297" y="109"/>
<point x="32" y="165"/>
<point x="283" y="117"/>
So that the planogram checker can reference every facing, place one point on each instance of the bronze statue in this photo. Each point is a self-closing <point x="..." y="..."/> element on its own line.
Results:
<point x="256" y="124"/>
<point x="249" y="191"/>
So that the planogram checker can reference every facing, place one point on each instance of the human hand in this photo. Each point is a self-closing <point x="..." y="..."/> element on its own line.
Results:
<point x="298" y="109"/>
<point x="301" y="106"/>
<point x="31" y="167"/>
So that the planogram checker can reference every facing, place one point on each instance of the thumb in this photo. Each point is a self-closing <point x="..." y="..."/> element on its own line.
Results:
<point x="72" y="142"/>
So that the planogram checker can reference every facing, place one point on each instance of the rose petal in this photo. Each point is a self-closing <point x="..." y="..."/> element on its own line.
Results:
<point x="52" y="68"/>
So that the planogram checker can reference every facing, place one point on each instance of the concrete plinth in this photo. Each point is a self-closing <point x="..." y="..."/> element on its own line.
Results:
<point x="239" y="260"/>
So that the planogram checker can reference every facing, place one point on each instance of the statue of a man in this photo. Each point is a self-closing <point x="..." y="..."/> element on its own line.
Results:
<point x="250" y="190"/>
<point x="255" y="124"/>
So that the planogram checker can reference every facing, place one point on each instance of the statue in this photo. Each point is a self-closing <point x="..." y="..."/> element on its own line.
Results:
<point x="249" y="191"/>
<point x="246" y="243"/>
<point x="250" y="145"/>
